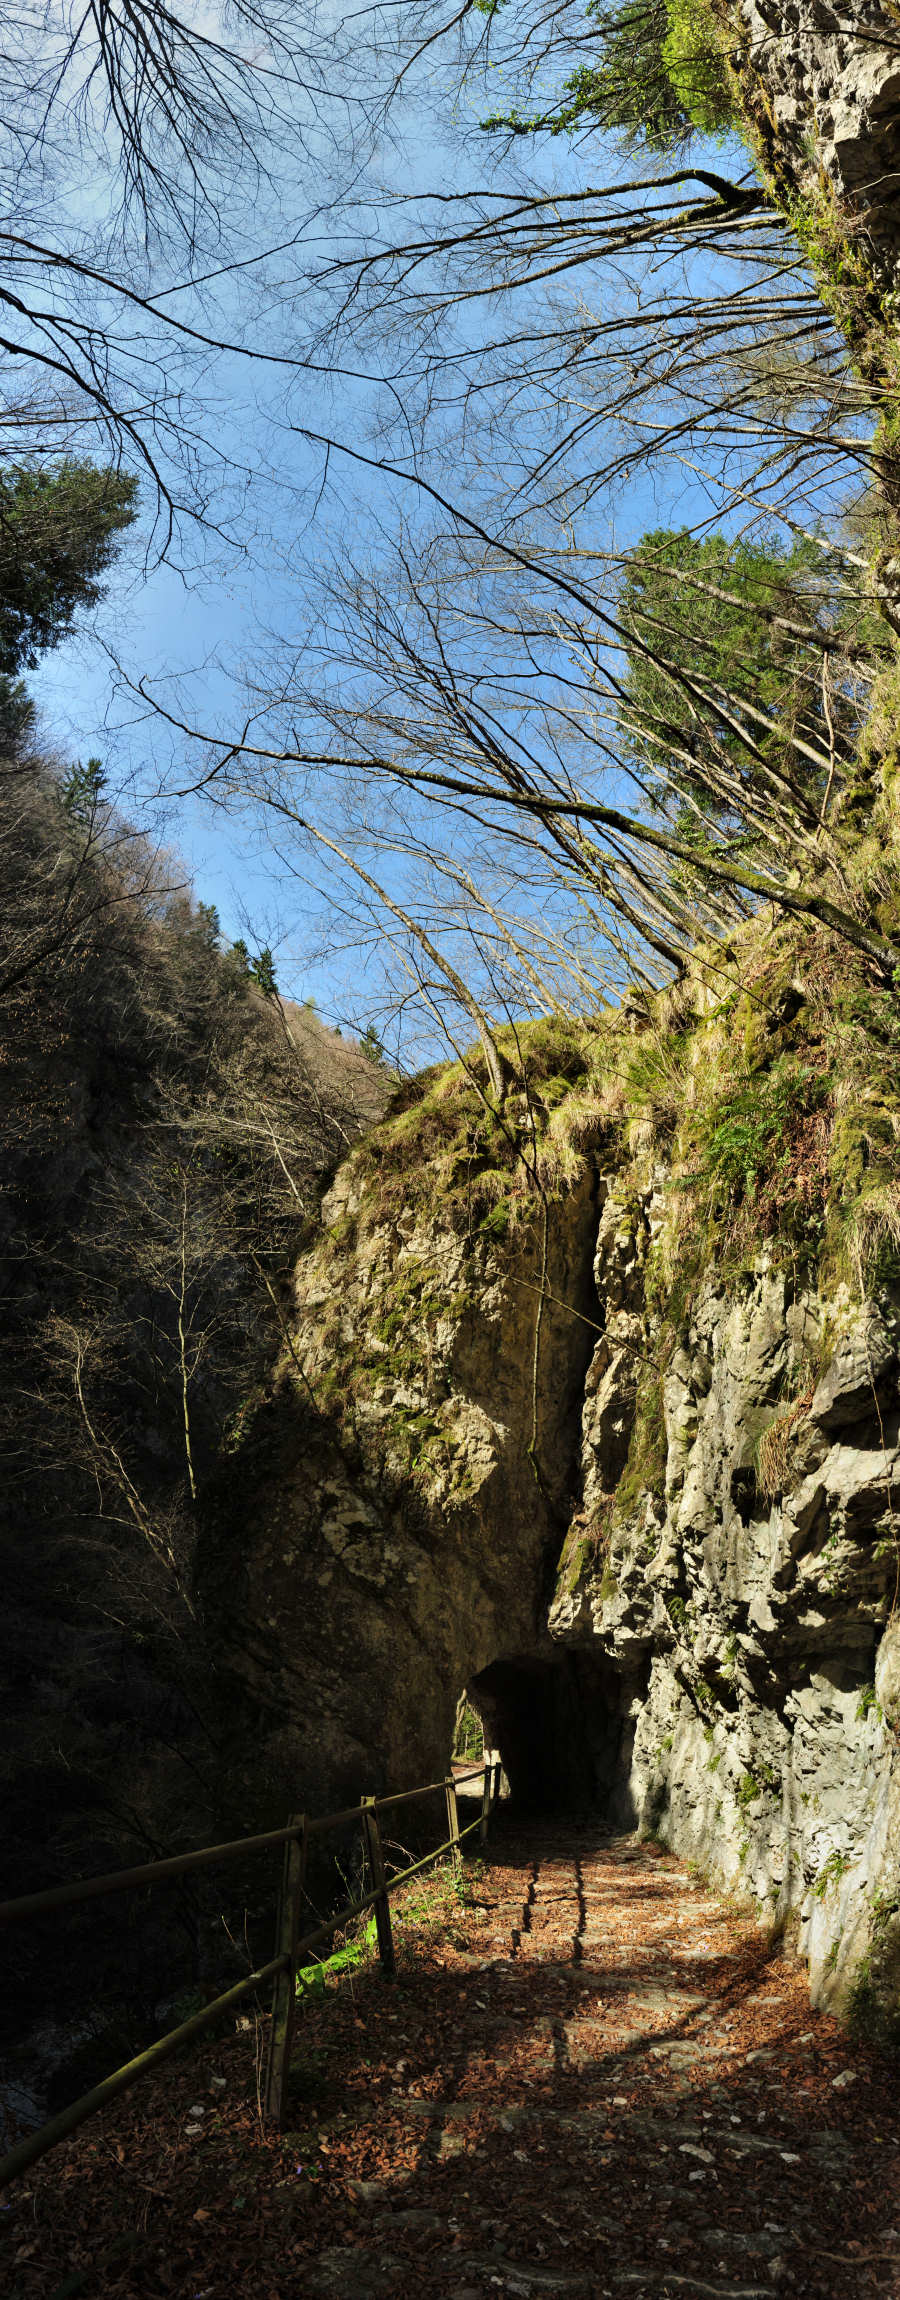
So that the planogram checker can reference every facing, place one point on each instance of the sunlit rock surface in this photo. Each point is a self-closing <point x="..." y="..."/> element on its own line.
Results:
<point x="822" y="83"/>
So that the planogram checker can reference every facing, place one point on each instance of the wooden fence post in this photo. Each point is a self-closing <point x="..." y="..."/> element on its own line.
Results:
<point x="284" y="1995"/>
<point x="486" y="1780"/>
<point x="382" y="1904"/>
<point x="452" y="1814"/>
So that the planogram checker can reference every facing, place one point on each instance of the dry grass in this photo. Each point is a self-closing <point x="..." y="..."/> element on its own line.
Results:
<point x="773" y="1451"/>
<point x="872" y="1230"/>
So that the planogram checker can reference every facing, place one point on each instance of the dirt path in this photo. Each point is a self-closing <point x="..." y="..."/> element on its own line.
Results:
<point x="603" y="2082"/>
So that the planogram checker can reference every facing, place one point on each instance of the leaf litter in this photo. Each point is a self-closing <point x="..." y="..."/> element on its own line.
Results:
<point x="591" y="2077"/>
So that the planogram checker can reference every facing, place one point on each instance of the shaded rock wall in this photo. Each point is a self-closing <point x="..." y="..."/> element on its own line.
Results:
<point x="365" y="1558"/>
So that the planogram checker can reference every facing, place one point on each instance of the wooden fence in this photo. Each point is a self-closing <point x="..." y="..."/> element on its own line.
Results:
<point x="290" y="1946"/>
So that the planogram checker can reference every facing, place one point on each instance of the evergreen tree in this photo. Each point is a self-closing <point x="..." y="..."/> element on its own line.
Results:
<point x="745" y="622"/>
<point x="83" y="790"/>
<point x="372" y="1045"/>
<point x="262" y="970"/>
<point x="59" y="530"/>
<point x="17" y="717"/>
<point x="209" y="924"/>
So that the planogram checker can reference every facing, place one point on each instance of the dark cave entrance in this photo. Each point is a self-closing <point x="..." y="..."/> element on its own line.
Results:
<point x="564" y="1727"/>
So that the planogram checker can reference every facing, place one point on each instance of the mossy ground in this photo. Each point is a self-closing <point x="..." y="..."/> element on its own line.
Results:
<point x="444" y="1142"/>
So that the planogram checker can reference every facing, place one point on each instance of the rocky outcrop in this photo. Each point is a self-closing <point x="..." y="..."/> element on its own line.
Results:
<point x="821" y="83"/>
<point x="584" y="1411"/>
<point x="763" y="1747"/>
<point x="408" y="1535"/>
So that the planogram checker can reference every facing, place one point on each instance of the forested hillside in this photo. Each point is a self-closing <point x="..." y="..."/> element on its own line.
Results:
<point x="166" y="1120"/>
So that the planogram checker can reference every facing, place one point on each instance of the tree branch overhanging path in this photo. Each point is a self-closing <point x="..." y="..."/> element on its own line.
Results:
<point x="524" y="801"/>
<point x="556" y="334"/>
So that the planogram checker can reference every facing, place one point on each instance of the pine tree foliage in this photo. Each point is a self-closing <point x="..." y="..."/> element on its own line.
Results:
<point x="60" y="527"/>
<point x="747" y="622"/>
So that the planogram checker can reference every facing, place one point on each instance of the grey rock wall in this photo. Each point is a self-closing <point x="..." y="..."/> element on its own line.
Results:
<point x="667" y="1612"/>
<point x="826" y="75"/>
<point x="366" y="1560"/>
<point x="766" y="1746"/>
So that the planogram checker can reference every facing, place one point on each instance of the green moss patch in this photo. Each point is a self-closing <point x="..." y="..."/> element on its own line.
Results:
<point x="447" y="1145"/>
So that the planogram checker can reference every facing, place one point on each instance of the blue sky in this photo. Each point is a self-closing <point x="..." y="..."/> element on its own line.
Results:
<point x="191" y="625"/>
<point x="191" y="630"/>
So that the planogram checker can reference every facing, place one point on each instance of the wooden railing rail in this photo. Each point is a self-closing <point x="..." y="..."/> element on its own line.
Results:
<point x="408" y="1796"/>
<point x="148" y="1873"/>
<point x="151" y="1872"/>
<point x="281" y="1969"/>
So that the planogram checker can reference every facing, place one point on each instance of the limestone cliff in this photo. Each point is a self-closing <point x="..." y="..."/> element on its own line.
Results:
<point x="816" y="88"/>
<point x="749" y="1583"/>
<point x="592" y="1405"/>
<point x="385" y="1527"/>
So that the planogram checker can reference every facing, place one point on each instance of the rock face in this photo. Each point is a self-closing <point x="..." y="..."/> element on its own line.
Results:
<point x="655" y="1533"/>
<point x="762" y="1746"/>
<point x="412" y="1547"/>
<point x="823" y="85"/>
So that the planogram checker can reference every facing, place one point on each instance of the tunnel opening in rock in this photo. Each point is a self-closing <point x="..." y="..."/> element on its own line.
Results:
<point x="563" y="1726"/>
<point x="468" y="1732"/>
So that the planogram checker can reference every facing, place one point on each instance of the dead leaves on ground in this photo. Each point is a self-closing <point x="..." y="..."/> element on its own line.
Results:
<point x="600" y="2080"/>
